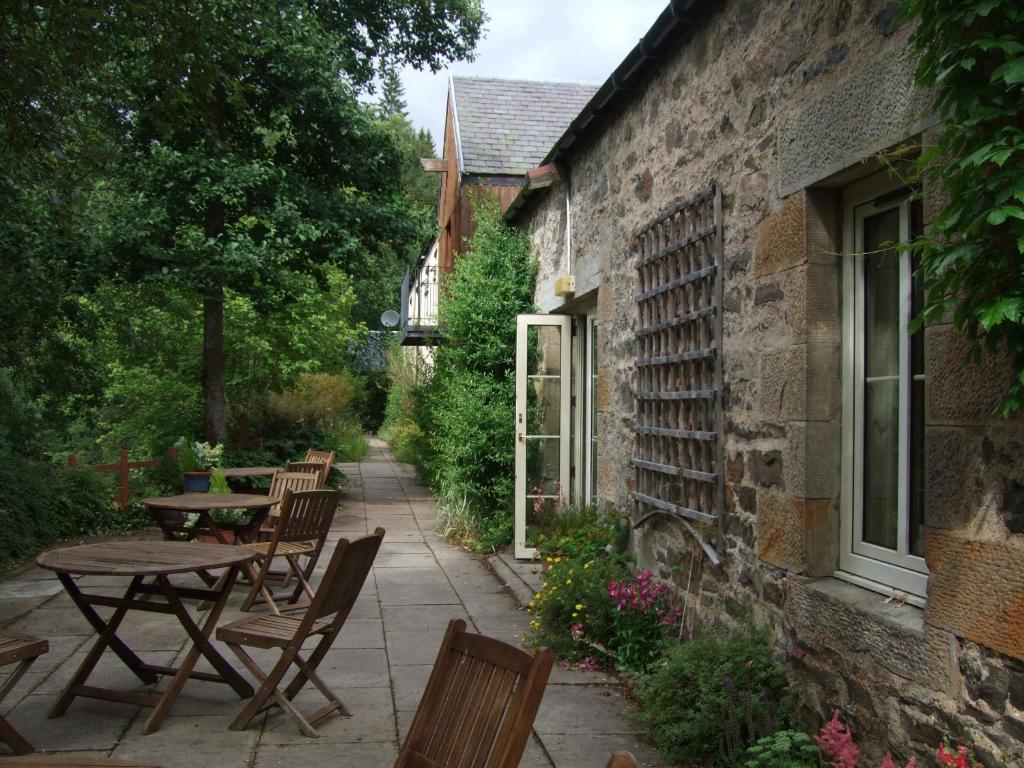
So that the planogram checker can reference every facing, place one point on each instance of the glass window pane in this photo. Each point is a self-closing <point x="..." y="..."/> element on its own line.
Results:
<point x="881" y="462"/>
<point x="543" y="464"/>
<point x="882" y="328"/>
<point x="543" y="404"/>
<point x="544" y="353"/>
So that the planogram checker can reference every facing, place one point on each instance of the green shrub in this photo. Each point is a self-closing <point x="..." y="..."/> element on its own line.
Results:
<point x="40" y="504"/>
<point x="573" y="614"/>
<point x="783" y="749"/>
<point x="715" y="696"/>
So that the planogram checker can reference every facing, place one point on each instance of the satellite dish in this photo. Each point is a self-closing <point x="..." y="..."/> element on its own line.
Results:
<point x="389" y="318"/>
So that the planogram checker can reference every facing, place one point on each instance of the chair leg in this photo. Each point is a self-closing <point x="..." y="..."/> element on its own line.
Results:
<point x="303" y="585"/>
<point x="267" y="689"/>
<point x="336" y="704"/>
<point x="18" y="743"/>
<point x="259" y="587"/>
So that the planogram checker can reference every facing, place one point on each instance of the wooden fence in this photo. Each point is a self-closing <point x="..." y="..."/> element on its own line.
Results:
<point x="122" y="468"/>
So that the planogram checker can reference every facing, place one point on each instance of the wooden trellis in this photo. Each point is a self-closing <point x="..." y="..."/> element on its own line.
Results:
<point x="678" y="425"/>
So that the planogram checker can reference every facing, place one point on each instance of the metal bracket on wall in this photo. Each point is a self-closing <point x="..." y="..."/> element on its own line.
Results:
<point x="679" y="453"/>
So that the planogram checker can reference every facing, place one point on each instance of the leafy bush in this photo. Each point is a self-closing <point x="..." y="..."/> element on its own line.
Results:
<point x="317" y="412"/>
<point x="40" y="504"/>
<point x="573" y="613"/>
<point x="714" y="697"/>
<point x="783" y="749"/>
<point x="464" y="409"/>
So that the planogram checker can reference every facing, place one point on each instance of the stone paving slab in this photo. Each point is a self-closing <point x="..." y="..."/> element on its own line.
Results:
<point x="379" y="665"/>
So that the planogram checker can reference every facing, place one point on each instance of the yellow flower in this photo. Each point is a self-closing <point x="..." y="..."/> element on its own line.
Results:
<point x="579" y="606"/>
<point x="574" y="614"/>
<point x="536" y="595"/>
<point x="568" y="582"/>
<point x="547" y="559"/>
<point x="586" y="566"/>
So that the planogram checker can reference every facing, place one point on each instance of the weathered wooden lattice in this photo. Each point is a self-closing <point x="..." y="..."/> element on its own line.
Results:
<point x="678" y="423"/>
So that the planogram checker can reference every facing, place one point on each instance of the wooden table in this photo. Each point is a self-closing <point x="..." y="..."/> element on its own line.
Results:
<point x="239" y="472"/>
<point x="170" y="512"/>
<point x="139" y="560"/>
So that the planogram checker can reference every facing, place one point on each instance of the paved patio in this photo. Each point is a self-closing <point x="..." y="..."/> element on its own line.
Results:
<point x="379" y="665"/>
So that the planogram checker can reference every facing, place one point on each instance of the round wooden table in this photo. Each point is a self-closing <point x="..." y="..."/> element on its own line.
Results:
<point x="169" y="512"/>
<point x="238" y="472"/>
<point x="139" y="561"/>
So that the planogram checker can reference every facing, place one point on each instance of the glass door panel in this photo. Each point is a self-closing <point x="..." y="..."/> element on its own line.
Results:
<point x="543" y="344"/>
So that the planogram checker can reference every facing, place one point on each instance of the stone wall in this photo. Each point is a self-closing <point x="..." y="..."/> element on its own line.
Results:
<point x="779" y="103"/>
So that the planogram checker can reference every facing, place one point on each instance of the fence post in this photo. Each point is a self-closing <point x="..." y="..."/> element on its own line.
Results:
<point x="126" y="493"/>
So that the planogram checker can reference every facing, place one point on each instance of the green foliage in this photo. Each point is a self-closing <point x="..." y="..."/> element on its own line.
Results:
<point x="573" y="614"/>
<point x="782" y="749"/>
<point x="453" y="421"/>
<point x="40" y="503"/>
<point x="713" y="697"/>
<point x="972" y="255"/>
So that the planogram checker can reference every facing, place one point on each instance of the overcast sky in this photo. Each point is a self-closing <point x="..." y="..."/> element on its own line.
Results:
<point x="569" y="40"/>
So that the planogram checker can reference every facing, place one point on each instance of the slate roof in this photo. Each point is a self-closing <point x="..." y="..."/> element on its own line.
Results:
<point x="508" y="126"/>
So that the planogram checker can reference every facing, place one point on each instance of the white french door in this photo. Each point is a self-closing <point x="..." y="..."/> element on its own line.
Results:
<point x="543" y="437"/>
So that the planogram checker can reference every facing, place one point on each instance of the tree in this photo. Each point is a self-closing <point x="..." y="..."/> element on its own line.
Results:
<point x="392" y="93"/>
<point x="232" y="149"/>
<point x="971" y="52"/>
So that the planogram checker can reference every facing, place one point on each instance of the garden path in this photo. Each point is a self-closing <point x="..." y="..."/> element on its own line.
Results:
<point x="379" y="665"/>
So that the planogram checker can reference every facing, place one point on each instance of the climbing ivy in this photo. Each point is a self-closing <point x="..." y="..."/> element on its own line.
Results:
<point x="971" y="52"/>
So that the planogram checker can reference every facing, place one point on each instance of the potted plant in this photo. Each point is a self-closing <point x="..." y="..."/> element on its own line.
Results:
<point x="197" y="461"/>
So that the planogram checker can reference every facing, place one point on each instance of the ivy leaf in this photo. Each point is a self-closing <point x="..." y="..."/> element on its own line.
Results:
<point x="1009" y="309"/>
<point x="1012" y="72"/>
<point x="998" y="215"/>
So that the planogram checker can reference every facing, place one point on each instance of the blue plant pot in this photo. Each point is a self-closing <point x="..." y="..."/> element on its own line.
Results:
<point x="197" y="482"/>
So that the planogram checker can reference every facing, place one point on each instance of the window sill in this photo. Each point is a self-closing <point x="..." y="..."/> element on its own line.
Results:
<point x="868" y="602"/>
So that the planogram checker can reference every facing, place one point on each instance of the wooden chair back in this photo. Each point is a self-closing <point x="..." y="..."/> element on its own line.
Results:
<point x="479" y="705"/>
<point x="290" y="481"/>
<point x="350" y="565"/>
<point x="308" y="467"/>
<point x="305" y="516"/>
<point x="323" y="457"/>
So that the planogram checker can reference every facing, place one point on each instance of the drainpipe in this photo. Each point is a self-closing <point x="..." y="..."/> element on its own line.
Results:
<point x="568" y="224"/>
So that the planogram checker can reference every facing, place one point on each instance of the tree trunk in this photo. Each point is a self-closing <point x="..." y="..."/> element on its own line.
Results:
<point x="214" y="401"/>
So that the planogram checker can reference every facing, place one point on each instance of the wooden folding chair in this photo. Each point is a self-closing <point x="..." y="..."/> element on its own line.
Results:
<point x="479" y="705"/>
<point x="323" y="457"/>
<point x="23" y="650"/>
<point x="336" y="595"/>
<point x="290" y="481"/>
<point x="302" y="527"/>
<point x="311" y="467"/>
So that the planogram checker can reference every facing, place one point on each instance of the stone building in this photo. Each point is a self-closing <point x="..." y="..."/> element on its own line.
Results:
<point x="716" y="252"/>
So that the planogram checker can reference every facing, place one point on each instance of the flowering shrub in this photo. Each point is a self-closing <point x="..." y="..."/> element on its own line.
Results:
<point x="572" y="613"/>
<point x="645" y="615"/>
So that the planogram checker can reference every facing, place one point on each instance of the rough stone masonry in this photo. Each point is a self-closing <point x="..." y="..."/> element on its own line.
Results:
<point x="784" y="104"/>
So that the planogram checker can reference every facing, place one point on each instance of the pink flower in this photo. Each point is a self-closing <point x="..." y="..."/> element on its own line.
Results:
<point x="836" y="743"/>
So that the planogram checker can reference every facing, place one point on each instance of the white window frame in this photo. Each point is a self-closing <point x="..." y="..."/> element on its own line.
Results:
<point x="590" y="417"/>
<point x="878" y="568"/>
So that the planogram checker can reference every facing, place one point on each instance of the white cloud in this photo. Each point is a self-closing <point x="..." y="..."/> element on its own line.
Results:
<point x="571" y="40"/>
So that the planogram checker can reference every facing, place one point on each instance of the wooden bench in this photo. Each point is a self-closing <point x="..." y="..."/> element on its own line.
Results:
<point x="23" y="650"/>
